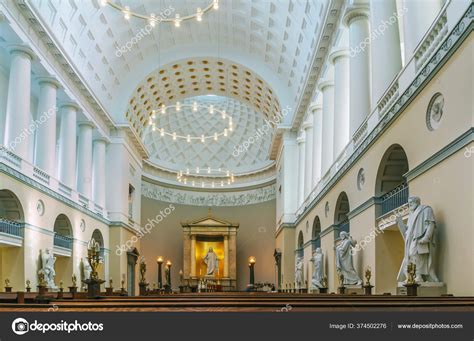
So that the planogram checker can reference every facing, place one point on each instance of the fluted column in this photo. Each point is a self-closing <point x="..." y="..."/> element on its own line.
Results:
<point x="301" y="164"/>
<point x="317" y="141"/>
<point x="357" y="20"/>
<point x="98" y="171"/>
<point x="419" y="15"/>
<point x="45" y="147"/>
<point x="84" y="159"/>
<point x="308" y="172"/>
<point x="67" y="145"/>
<point x="18" y="134"/>
<point x="327" y="149"/>
<point x="340" y="59"/>
<point x="386" y="54"/>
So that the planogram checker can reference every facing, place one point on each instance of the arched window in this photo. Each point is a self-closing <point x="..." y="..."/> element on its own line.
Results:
<point x="341" y="220"/>
<point x="315" y="238"/>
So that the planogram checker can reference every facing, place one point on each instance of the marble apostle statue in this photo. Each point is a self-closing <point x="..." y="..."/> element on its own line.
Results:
<point x="299" y="280"/>
<point x="344" y="263"/>
<point x="318" y="268"/>
<point x="212" y="262"/>
<point x="86" y="268"/>
<point x="47" y="268"/>
<point x="420" y="242"/>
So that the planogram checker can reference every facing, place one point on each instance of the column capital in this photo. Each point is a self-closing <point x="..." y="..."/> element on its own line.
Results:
<point x="308" y="124"/>
<point x="86" y="124"/>
<point x="356" y="12"/>
<point x="73" y="105"/>
<point x="21" y="49"/>
<point x="325" y="84"/>
<point x="301" y="139"/>
<point x="338" y="53"/>
<point x="101" y="139"/>
<point x="48" y="80"/>
<point x="315" y="106"/>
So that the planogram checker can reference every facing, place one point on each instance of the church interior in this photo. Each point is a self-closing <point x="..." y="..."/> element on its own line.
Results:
<point x="236" y="155"/>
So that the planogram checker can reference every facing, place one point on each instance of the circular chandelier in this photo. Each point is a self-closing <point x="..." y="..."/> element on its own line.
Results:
<point x="205" y="177"/>
<point x="154" y="19"/>
<point x="194" y="107"/>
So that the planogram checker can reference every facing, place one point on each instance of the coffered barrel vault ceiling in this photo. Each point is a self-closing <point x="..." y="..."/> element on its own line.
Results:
<point x="254" y="56"/>
<point x="275" y="38"/>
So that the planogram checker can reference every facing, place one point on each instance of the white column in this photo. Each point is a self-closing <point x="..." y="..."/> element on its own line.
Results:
<point x="226" y="256"/>
<point x="45" y="147"/>
<point x="317" y="141"/>
<point x="301" y="164"/>
<point x="308" y="173"/>
<point x="327" y="146"/>
<point x="67" y="145"/>
<point x="340" y="59"/>
<point x="418" y="17"/>
<point x="98" y="171"/>
<point x="84" y="159"/>
<point x="17" y="131"/>
<point x="385" y="49"/>
<point x="357" y="19"/>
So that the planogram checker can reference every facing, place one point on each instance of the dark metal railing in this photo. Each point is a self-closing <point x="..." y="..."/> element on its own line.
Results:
<point x="315" y="243"/>
<point x="11" y="227"/>
<point x="395" y="198"/>
<point x="63" y="241"/>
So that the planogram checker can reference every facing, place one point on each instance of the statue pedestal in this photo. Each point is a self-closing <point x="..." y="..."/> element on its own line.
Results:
<point x="142" y="287"/>
<point x="93" y="287"/>
<point x="368" y="289"/>
<point x="60" y="294"/>
<point x="109" y="291"/>
<point x="424" y="289"/>
<point x="341" y="290"/>
<point x="323" y="290"/>
<point x="8" y="289"/>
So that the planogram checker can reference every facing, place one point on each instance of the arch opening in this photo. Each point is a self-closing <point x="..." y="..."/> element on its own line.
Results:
<point x="342" y="209"/>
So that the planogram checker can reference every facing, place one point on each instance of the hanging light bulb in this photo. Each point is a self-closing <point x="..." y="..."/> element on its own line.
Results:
<point x="202" y="138"/>
<point x="222" y="183"/>
<point x="202" y="184"/>
<point x="177" y="21"/>
<point x="162" y="133"/>
<point x="213" y="184"/>
<point x="215" y="136"/>
<point x="211" y="109"/>
<point x="154" y="128"/>
<point x="185" y="181"/>
<point x="199" y="14"/>
<point x="216" y="4"/>
<point x="197" y="170"/>
<point x="153" y="114"/>
<point x="178" y="106"/>
<point x="126" y="13"/>
<point x="174" y="136"/>
<point x="228" y="182"/>
<point x="195" y="106"/>
<point x="193" y="183"/>
<point x="188" y="138"/>
<point x="223" y="114"/>
<point x="163" y="109"/>
<point x="228" y="173"/>
<point x="150" y="121"/>
<point x="103" y="3"/>
<point x="225" y="132"/>
<point x="152" y="20"/>
<point x="208" y="170"/>
<point x="187" y="171"/>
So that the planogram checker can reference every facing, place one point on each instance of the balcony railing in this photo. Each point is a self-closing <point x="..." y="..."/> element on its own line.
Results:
<point x="395" y="198"/>
<point x="11" y="227"/>
<point x="315" y="243"/>
<point x="344" y="226"/>
<point x="63" y="241"/>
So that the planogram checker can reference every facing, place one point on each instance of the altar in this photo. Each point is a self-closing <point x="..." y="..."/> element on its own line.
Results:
<point x="214" y="237"/>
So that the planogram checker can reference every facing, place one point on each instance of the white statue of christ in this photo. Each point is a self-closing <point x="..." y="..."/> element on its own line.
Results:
<point x="212" y="262"/>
